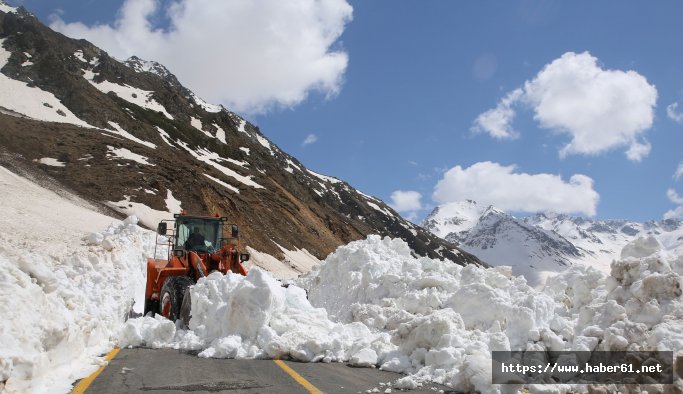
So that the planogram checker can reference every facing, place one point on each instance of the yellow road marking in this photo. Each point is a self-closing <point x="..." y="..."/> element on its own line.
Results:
<point x="86" y="382"/>
<point x="300" y="379"/>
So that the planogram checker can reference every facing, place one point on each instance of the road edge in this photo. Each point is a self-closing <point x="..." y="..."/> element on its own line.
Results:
<point x="83" y="385"/>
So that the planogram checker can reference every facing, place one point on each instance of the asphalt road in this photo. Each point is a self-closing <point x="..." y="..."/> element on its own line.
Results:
<point x="171" y="371"/>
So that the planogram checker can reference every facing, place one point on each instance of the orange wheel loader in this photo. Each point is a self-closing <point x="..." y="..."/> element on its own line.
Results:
<point x="197" y="246"/>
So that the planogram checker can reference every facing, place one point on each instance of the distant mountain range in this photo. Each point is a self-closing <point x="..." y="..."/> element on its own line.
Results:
<point x="128" y="136"/>
<point x="543" y="243"/>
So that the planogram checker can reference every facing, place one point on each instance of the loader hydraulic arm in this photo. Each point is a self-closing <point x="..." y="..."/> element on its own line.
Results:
<point x="197" y="263"/>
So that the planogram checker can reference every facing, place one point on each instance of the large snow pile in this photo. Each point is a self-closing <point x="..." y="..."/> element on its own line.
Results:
<point x="253" y="316"/>
<point x="64" y="292"/>
<point x="60" y="313"/>
<point x="373" y="303"/>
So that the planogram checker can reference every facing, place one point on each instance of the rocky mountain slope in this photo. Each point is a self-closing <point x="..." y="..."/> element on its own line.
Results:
<point x="128" y="136"/>
<point x="539" y="245"/>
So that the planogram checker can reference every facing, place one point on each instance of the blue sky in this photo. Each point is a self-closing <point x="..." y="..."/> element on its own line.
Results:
<point x="393" y="97"/>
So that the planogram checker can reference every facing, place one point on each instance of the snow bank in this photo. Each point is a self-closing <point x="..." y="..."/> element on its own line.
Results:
<point x="61" y="312"/>
<point x="66" y="286"/>
<point x="255" y="317"/>
<point x="372" y="303"/>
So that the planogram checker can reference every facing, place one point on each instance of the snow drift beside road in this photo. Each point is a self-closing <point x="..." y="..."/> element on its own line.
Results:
<point x="373" y="303"/>
<point x="64" y="293"/>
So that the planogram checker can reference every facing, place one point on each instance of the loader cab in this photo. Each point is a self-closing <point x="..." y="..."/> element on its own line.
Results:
<point x="200" y="234"/>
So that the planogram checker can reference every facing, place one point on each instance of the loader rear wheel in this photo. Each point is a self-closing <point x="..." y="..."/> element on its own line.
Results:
<point x="172" y="293"/>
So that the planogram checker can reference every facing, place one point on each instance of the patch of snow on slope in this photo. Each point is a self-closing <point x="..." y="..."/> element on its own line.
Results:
<point x="378" y="208"/>
<point x="123" y="153"/>
<point x="172" y="204"/>
<point x="79" y="55"/>
<point x="205" y="153"/>
<point x="88" y="74"/>
<point x="269" y="263"/>
<point x="300" y="259"/>
<point x="210" y="158"/>
<point x="225" y="185"/>
<point x="33" y="102"/>
<point x="148" y="216"/>
<point x="290" y="166"/>
<point x="164" y="136"/>
<point x="241" y="127"/>
<point x="139" y="97"/>
<point x="263" y="141"/>
<point x="220" y="133"/>
<point x="52" y="162"/>
<point x="197" y="124"/>
<point x="245" y="150"/>
<point x="321" y="176"/>
<point x="123" y="133"/>
<point x="367" y="196"/>
<point x="64" y="290"/>
<point x="207" y="107"/>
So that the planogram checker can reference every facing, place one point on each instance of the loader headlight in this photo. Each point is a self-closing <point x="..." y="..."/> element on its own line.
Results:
<point x="244" y="257"/>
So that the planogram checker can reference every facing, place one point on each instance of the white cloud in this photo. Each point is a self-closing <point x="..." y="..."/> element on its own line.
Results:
<point x="679" y="172"/>
<point x="673" y="113"/>
<point x="246" y="54"/>
<point x="497" y="122"/>
<point x="674" y="213"/>
<point x="311" y="138"/>
<point x="598" y="109"/>
<point x="638" y="151"/>
<point x="673" y="196"/>
<point x="676" y="199"/>
<point x="405" y="201"/>
<point x="492" y="183"/>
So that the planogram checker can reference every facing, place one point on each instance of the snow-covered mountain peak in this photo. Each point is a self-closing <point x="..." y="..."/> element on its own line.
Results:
<point x="4" y="7"/>
<point x="545" y="241"/>
<point x="456" y="217"/>
<point x="492" y="211"/>
<point x="668" y="224"/>
<point x="141" y="65"/>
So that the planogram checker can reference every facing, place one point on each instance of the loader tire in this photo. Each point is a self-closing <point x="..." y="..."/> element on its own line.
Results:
<point x="185" y="310"/>
<point x="172" y="293"/>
